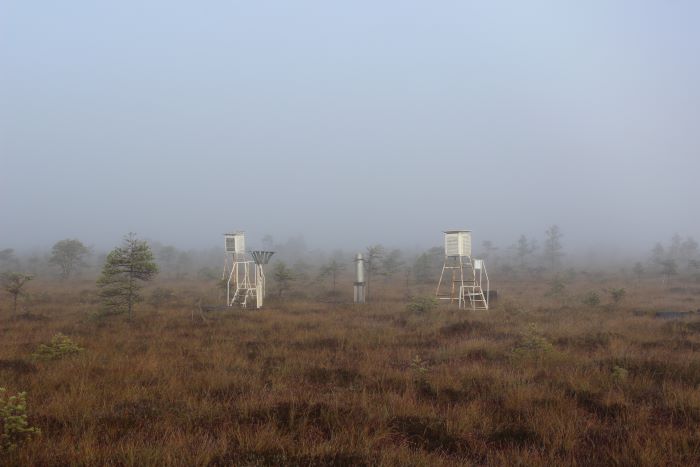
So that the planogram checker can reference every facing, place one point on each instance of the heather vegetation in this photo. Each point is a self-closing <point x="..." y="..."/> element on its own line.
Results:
<point x="569" y="367"/>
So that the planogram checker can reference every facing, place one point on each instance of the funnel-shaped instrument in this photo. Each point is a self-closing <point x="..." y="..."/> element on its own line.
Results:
<point x="261" y="257"/>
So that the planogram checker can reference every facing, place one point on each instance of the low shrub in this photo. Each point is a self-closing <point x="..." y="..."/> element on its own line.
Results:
<point x="557" y="288"/>
<point x="13" y="421"/>
<point x="591" y="299"/>
<point x="617" y="295"/>
<point x="59" y="347"/>
<point x="422" y="304"/>
<point x="533" y="344"/>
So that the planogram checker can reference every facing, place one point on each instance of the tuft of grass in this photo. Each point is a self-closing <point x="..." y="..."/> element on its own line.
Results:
<point x="619" y="374"/>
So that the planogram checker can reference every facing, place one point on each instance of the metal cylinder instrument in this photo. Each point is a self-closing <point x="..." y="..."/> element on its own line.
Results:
<point x="359" y="286"/>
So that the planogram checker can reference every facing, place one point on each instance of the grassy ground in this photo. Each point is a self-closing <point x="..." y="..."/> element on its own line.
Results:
<point x="535" y="381"/>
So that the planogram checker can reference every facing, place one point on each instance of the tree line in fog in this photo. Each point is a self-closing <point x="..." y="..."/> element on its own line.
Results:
<point x="295" y="263"/>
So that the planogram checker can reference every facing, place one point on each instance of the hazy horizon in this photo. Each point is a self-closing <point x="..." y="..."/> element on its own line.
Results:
<point x="349" y="124"/>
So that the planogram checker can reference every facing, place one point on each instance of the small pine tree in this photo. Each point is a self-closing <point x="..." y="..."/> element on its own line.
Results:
<point x="331" y="270"/>
<point x="421" y="268"/>
<point x="59" y="347"/>
<point x="373" y="259"/>
<point x="125" y="269"/>
<point x="523" y="249"/>
<point x="669" y="268"/>
<point x="13" y="421"/>
<point x="13" y="283"/>
<point x="638" y="271"/>
<point x="552" y="246"/>
<point x="283" y="277"/>
<point x="591" y="299"/>
<point x="617" y="295"/>
<point x="392" y="263"/>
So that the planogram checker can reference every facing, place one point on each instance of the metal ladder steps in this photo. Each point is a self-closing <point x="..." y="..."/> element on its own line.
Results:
<point x="447" y="297"/>
<point x="480" y="295"/>
<point x="239" y="298"/>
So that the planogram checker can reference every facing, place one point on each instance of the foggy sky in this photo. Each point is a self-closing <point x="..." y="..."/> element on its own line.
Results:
<point x="350" y="124"/>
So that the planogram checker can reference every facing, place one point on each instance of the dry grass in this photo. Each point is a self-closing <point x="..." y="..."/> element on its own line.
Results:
<point x="535" y="381"/>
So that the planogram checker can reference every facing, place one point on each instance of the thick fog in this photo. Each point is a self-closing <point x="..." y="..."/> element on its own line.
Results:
<point x="349" y="124"/>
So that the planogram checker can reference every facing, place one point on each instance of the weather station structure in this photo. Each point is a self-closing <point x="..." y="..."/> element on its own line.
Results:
<point x="359" y="284"/>
<point x="463" y="279"/>
<point x="243" y="272"/>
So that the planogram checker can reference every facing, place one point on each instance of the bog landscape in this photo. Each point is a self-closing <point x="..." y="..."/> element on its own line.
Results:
<point x="311" y="233"/>
<point x="569" y="366"/>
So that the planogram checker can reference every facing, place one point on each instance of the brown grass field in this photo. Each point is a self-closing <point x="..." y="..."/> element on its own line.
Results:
<point x="534" y="381"/>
